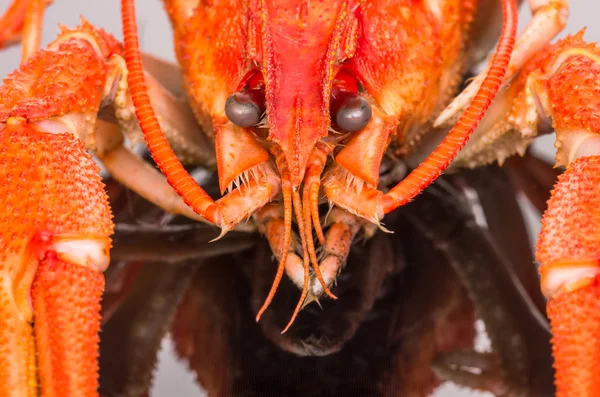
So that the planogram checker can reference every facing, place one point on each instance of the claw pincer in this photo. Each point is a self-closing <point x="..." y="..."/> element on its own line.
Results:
<point x="569" y="251"/>
<point x="54" y="243"/>
<point x="569" y="242"/>
<point x="55" y="221"/>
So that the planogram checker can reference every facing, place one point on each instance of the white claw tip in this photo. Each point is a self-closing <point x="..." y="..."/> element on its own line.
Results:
<point x="224" y="231"/>
<point x="558" y="279"/>
<point x="92" y="253"/>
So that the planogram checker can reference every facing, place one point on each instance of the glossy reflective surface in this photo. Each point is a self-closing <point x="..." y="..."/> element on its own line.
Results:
<point x="404" y="319"/>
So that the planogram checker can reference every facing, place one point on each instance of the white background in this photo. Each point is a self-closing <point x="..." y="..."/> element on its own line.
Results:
<point x="155" y="38"/>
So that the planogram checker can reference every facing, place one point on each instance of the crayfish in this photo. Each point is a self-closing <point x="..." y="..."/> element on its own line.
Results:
<point x="319" y="118"/>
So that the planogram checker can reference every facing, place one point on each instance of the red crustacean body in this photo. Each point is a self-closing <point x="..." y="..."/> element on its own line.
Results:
<point x="298" y="104"/>
<point x="399" y="69"/>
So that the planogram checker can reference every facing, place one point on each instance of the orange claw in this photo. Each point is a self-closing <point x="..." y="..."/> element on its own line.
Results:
<point x="56" y="221"/>
<point x="569" y="251"/>
<point x="66" y="299"/>
<point x="53" y="248"/>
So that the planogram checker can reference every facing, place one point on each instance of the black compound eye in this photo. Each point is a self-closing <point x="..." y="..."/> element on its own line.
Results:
<point x="353" y="114"/>
<point x="243" y="109"/>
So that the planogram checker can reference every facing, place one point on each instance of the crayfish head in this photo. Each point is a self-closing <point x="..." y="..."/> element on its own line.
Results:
<point x="282" y="93"/>
<point x="303" y="83"/>
<point x="299" y="87"/>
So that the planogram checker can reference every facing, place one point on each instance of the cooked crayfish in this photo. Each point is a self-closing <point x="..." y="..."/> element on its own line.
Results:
<point x="296" y="103"/>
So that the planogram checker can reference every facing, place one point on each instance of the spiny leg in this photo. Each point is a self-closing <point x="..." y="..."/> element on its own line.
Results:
<point x="22" y="21"/>
<point x="11" y="23"/>
<point x="32" y="28"/>
<point x="558" y="89"/>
